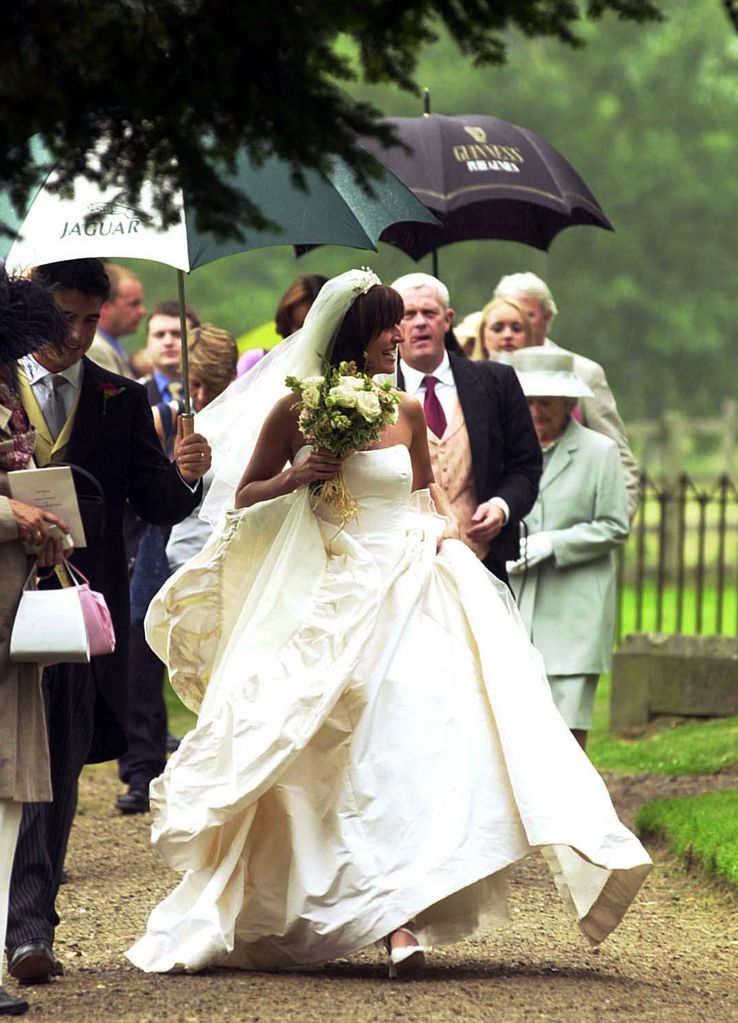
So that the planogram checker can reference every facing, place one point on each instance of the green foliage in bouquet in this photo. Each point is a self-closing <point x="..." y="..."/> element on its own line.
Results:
<point x="343" y="411"/>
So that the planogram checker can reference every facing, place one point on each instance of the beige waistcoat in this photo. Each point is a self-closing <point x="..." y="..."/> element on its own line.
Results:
<point x="47" y="451"/>
<point x="452" y="468"/>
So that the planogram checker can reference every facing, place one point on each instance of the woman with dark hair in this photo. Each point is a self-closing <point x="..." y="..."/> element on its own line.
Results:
<point x="27" y="313"/>
<point x="376" y="742"/>
<point x="294" y="304"/>
<point x="289" y="316"/>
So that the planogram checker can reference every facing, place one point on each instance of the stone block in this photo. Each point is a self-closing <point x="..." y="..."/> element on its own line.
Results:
<point x="689" y="676"/>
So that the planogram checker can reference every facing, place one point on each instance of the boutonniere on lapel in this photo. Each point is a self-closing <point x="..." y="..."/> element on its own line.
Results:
<point x="108" y="391"/>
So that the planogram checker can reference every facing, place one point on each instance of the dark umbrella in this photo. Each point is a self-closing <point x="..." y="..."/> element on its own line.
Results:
<point x="483" y="178"/>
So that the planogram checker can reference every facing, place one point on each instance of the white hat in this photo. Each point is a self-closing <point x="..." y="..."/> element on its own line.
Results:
<point x="469" y="326"/>
<point x="547" y="373"/>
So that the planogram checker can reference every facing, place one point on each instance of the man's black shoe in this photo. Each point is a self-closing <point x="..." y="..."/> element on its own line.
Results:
<point x="10" y="1005"/>
<point x="172" y="743"/>
<point x="133" y="801"/>
<point x="32" y="962"/>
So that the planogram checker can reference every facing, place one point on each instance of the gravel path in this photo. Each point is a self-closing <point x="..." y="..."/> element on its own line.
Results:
<point x="673" y="958"/>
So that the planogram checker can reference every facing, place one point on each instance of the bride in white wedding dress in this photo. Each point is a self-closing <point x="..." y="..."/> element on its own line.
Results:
<point x="376" y="743"/>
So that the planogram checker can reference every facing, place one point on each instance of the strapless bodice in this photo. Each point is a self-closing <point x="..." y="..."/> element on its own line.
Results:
<point x="380" y="481"/>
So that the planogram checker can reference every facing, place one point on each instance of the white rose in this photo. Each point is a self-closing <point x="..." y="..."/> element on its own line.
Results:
<point x="344" y="395"/>
<point x="311" y="396"/>
<point x="368" y="405"/>
<point x="356" y="382"/>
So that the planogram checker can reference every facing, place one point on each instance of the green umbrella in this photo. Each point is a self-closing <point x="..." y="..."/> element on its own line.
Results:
<point x="333" y="209"/>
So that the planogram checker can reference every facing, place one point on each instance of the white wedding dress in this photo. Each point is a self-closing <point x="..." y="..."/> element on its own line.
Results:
<point x="376" y="742"/>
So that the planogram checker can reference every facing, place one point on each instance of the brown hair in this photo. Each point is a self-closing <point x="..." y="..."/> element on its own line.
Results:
<point x="302" y="289"/>
<point x="170" y="307"/>
<point x="378" y="308"/>
<point x="213" y="355"/>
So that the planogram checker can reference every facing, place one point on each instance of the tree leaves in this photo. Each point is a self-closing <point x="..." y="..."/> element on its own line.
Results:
<point x="170" y="89"/>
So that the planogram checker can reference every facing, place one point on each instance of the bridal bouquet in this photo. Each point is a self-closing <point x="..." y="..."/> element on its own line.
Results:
<point x="343" y="411"/>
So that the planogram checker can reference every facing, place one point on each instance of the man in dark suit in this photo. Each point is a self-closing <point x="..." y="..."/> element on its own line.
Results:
<point x="102" y="423"/>
<point x="483" y="445"/>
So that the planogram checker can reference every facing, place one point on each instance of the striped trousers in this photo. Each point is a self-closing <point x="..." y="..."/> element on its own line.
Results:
<point x="10" y="816"/>
<point x="69" y="693"/>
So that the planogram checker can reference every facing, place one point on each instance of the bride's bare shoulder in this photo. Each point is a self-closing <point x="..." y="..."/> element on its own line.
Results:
<point x="285" y="411"/>
<point x="410" y="406"/>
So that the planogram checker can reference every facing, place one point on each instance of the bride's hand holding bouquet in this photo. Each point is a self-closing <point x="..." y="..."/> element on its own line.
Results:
<point x="340" y="412"/>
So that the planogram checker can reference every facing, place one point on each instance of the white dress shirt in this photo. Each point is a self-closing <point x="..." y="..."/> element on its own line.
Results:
<point x="445" y="392"/>
<point x="445" y="388"/>
<point x="40" y="380"/>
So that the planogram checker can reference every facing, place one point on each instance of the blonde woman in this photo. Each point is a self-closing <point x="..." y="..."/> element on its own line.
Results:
<point x="504" y="327"/>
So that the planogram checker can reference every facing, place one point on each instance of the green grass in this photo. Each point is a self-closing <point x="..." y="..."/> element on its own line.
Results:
<point x="180" y="719"/>
<point x="719" y="617"/>
<point x="701" y="829"/>
<point x="691" y="748"/>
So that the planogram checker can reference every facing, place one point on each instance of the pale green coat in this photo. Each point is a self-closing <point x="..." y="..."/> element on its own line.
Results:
<point x="568" y="601"/>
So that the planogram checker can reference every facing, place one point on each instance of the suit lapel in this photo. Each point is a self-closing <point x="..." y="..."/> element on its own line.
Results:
<point x="85" y="429"/>
<point x="44" y="440"/>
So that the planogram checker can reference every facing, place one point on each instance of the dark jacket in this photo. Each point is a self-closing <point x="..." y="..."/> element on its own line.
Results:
<point x="506" y="455"/>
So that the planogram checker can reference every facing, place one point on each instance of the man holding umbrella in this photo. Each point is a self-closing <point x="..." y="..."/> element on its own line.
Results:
<point x="102" y="424"/>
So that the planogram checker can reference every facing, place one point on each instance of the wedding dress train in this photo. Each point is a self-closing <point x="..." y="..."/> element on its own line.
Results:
<point x="376" y="742"/>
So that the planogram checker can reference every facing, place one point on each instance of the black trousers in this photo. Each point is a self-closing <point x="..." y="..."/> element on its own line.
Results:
<point x="147" y="714"/>
<point x="69" y="693"/>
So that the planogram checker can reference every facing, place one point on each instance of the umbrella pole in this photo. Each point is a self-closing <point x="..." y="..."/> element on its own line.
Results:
<point x="426" y="112"/>
<point x="188" y="416"/>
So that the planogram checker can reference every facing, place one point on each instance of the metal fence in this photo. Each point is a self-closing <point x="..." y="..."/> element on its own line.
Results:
<point x="678" y="572"/>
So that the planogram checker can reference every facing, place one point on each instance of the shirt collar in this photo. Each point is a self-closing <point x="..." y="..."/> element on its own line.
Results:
<point x="36" y="372"/>
<point x="161" y="382"/>
<point x="414" y="378"/>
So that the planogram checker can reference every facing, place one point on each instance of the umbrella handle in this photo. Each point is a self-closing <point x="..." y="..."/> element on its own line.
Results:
<point x="188" y="423"/>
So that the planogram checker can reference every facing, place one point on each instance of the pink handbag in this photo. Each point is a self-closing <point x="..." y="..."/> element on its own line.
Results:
<point x="95" y="612"/>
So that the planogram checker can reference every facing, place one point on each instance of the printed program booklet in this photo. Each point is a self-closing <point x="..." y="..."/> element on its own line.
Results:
<point x="52" y="489"/>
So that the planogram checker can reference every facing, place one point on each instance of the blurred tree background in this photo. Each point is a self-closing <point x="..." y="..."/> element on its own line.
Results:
<point x="648" y="115"/>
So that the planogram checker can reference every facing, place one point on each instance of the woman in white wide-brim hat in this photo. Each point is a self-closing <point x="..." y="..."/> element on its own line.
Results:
<point x="564" y="580"/>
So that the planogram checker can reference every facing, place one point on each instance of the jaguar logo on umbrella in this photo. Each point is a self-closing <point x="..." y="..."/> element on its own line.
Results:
<point x="99" y="221"/>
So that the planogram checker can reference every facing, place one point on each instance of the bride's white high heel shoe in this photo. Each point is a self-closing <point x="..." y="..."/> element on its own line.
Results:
<point x="405" y="959"/>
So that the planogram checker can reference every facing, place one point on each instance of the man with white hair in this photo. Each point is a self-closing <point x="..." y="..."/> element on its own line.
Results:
<point x="599" y="412"/>
<point x="483" y="445"/>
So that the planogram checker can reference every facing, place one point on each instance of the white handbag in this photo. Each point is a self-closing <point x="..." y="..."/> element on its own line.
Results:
<point x="49" y="626"/>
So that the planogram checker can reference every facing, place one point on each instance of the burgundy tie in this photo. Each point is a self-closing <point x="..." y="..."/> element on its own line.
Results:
<point x="434" y="414"/>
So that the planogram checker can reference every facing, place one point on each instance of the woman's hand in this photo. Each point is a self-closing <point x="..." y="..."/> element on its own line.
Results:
<point x="35" y="530"/>
<point x="451" y="532"/>
<point x="319" y="465"/>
